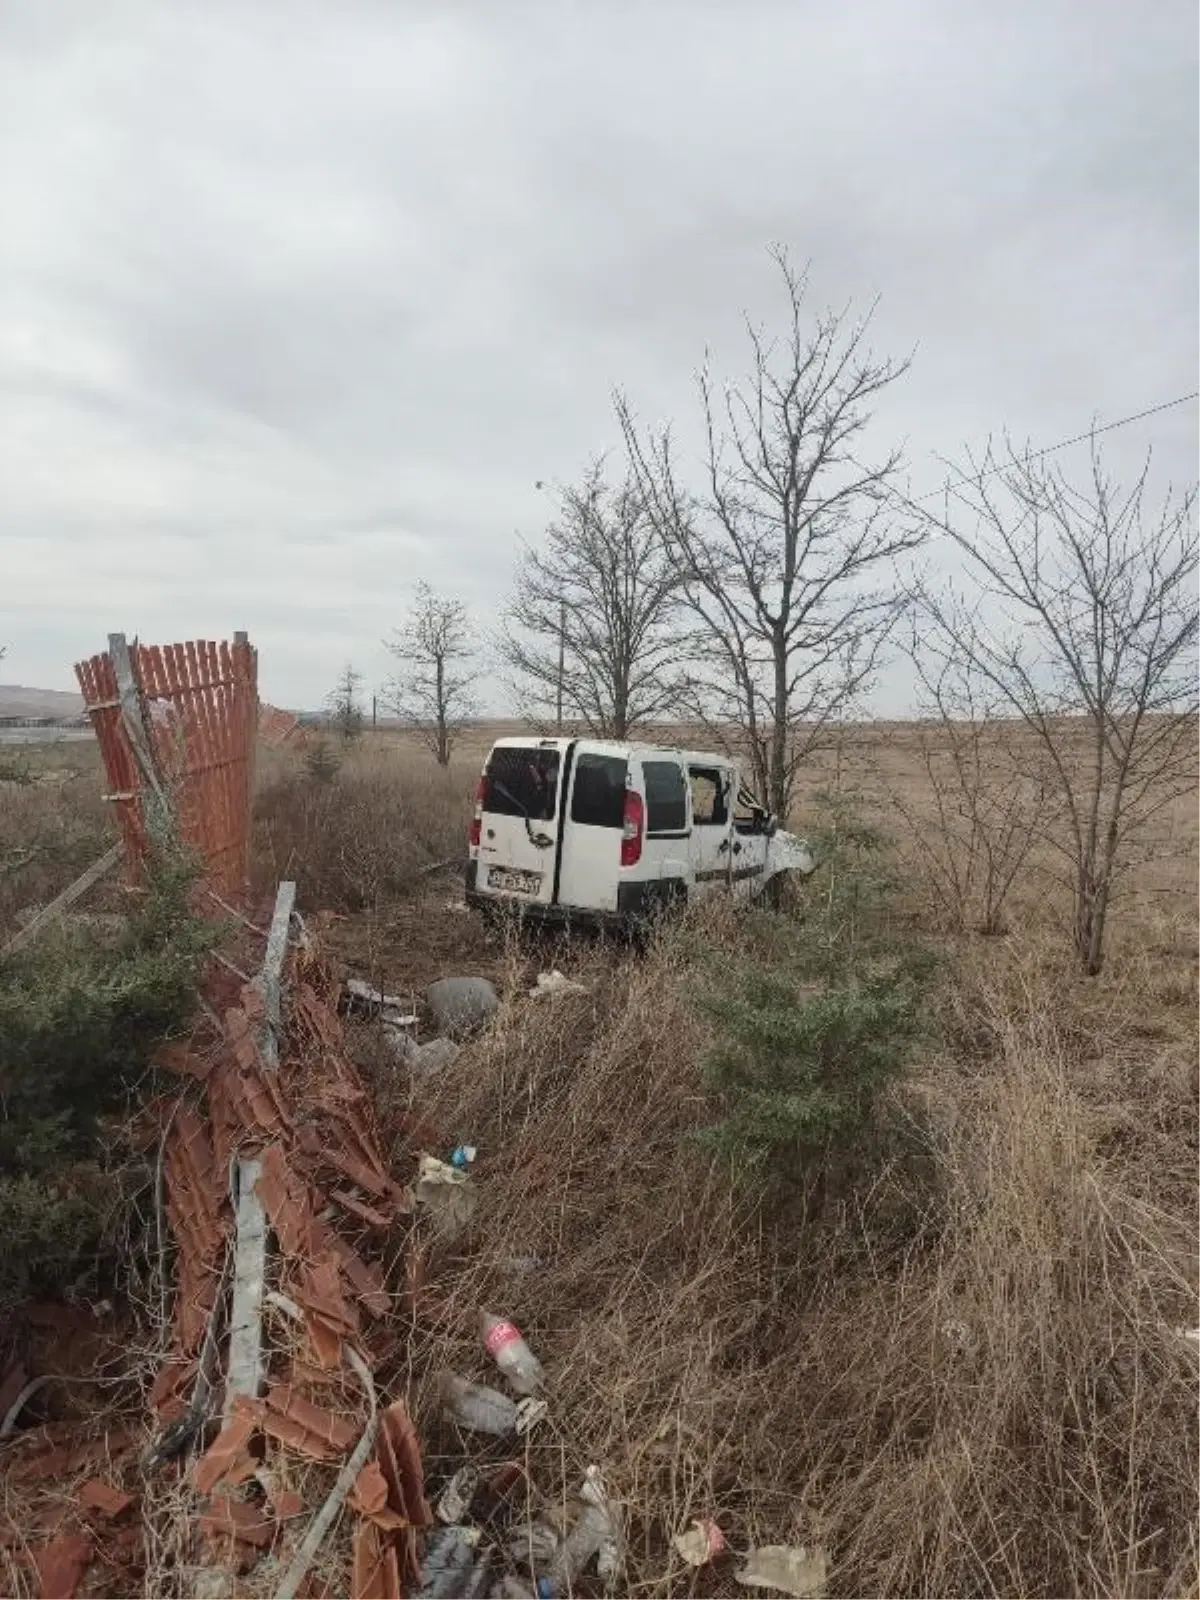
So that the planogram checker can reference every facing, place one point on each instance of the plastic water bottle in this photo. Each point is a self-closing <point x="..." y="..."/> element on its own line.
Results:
<point x="503" y="1342"/>
<point x="473" y="1406"/>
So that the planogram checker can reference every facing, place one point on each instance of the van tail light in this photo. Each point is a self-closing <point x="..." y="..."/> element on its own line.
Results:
<point x="632" y="829"/>
<point x="475" y="832"/>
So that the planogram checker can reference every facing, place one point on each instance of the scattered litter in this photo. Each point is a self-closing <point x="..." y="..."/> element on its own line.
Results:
<point x="445" y="1192"/>
<point x="555" y="982"/>
<point x="461" y="1005"/>
<point x="592" y="1536"/>
<point x="363" y="997"/>
<point x="791" y="1569"/>
<point x="522" y="1264"/>
<point x="455" y="1499"/>
<point x="474" y="1406"/>
<point x="535" y="1544"/>
<point x="457" y="906"/>
<point x="503" y="1341"/>
<point x="463" y="1156"/>
<point x="529" y="1413"/>
<point x="452" y="1569"/>
<point x="507" y="1484"/>
<point x="608" y="1557"/>
<point x="700" y="1543"/>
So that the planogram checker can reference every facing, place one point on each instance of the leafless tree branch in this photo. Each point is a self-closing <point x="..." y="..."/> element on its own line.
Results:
<point x="591" y="619"/>
<point x="434" y="686"/>
<point x="1084" y="627"/>
<point x="778" y="552"/>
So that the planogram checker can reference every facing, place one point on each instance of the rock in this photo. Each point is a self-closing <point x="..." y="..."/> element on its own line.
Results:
<point x="432" y="1057"/>
<point x="461" y="1005"/>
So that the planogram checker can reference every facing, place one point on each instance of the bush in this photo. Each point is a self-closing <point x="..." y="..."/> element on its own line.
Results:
<point x="359" y="836"/>
<point x="816" y="1014"/>
<point x="79" y="1021"/>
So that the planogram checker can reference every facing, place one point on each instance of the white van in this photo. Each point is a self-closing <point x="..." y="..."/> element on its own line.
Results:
<point x="594" y="831"/>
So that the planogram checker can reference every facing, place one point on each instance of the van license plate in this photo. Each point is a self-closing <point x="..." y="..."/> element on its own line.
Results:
<point x="514" y="882"/>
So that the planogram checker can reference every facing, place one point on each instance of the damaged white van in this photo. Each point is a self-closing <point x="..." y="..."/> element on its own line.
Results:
<point x="594" y="831"/>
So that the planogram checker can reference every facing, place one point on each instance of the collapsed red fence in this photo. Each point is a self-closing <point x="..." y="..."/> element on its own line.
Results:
<point x="182" y="722"/>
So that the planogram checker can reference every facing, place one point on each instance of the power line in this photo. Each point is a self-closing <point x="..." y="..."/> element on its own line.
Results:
<point x="1092" y="433"/>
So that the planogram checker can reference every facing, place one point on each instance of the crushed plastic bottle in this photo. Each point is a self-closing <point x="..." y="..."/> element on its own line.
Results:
<point x="797" y="1570"/>
<point x="452" y="1568"/>
<point x="504" y="1343"/>
<point x="534" y="1544"/>
<point x="476" y="1407"/>
<point x="587" y="1539"/>
<point x="455" y="1499"/>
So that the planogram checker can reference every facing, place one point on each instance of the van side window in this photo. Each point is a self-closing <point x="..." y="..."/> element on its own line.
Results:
<point x="666" y="797"/>
<point x="598" y="795"/>
<point x="708" y="797"/>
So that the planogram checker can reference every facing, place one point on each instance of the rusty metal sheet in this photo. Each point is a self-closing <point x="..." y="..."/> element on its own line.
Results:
<point x="238" y="1519"/>
<point x="97" y="1495"/>
<point x="286" y="1199"/>
<point x="369" y="1497"/>
<point x="375" y="1573"/>
<point x="309" y="1429"/>
<point x="61" y="1564"/>
<point x="225" y="1454"/>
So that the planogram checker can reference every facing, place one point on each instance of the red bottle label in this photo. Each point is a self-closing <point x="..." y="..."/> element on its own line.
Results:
<point x="500" y="1335"/>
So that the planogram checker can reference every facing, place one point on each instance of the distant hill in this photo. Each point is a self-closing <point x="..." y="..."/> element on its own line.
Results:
<point x="17" y="701"/>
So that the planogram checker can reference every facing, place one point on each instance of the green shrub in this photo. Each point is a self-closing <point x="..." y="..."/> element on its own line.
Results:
<point x="322" y="762"/>
<point x="80" y="1017"/>
<point x="815" y="1015"/>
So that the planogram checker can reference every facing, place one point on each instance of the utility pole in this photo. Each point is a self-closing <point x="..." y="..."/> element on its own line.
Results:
<point x="562" y="663"/>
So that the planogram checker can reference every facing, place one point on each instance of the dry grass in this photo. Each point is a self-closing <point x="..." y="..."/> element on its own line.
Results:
<point x="361" y="839"/>
<point x="966" y="1377"/>
<point x="967" y="1380"/>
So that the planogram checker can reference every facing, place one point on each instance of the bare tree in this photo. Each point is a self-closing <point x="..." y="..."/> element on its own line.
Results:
<point x="1083" y="625"/>
<point x="781" y="551"/>
<point x="983" y="803"/>
<point x="344" y="704"/>
<point x="588" y="633"/>
<point x="434" y="686"/>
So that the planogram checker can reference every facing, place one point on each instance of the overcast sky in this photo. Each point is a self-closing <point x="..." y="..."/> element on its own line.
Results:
<point x="299" y="300"/>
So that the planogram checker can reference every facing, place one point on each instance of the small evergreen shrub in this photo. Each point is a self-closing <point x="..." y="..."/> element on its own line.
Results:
<point x="815" y="1016"/>
<point x="80" y="1018"/>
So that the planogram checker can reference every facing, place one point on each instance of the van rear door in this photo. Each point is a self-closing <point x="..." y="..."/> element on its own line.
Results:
<point x="591" y="852"/>
<point x="519" y="824"/>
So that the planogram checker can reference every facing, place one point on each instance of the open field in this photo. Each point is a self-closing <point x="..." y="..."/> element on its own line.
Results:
<point x="964" y="1375"/>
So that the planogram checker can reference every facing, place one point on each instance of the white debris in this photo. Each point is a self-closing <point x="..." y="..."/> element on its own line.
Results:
<point x="555" y="982"/>
<point x="700" y="1543"/>
<point x="445" y="1192"/>
<point x="791" y="1569"/>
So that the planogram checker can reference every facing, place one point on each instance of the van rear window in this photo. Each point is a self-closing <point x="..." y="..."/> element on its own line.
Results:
<point x="598" y="795"/>
<point x="522" y="781"/>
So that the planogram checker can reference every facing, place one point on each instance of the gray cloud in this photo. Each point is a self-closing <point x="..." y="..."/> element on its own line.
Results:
<point x="301" y="300"/>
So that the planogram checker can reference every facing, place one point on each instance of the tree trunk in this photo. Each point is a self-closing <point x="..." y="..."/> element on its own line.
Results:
<point x="777" y="796"/>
